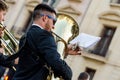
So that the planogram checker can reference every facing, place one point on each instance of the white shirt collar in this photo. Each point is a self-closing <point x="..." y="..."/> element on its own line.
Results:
<point x="37" y="25"/>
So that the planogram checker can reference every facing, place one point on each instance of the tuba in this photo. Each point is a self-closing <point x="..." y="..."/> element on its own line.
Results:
<point x="65" y="53"/>
<point x="59" y="39"/>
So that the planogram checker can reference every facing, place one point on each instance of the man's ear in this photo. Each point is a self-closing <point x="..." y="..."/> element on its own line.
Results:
<point x="44" y="18"/>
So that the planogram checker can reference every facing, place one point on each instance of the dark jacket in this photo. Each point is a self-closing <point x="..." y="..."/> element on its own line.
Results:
<point x="40" y="48"/>
<point x="5" y="63"/>
<point x="2" y="70"/>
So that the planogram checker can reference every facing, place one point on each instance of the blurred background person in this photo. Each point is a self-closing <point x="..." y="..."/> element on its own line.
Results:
<point x="83" y="76"/>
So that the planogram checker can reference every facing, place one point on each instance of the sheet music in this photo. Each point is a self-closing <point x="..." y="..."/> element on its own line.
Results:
<point x="85" y="40"/>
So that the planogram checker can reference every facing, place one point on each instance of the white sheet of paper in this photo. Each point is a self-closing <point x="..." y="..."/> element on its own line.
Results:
<point x="85" y="40"/>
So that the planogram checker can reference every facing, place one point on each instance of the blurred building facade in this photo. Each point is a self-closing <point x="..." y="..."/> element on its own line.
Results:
<point x="94" y="17"/>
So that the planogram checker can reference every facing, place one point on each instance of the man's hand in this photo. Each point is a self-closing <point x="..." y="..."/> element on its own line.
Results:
<point x="74" y="49"/>
<point x="16" y="61"/>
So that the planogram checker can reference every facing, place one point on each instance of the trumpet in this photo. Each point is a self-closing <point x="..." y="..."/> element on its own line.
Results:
<point x="8" y="41"/>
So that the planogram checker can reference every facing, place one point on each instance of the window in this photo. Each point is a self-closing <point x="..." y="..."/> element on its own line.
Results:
<point x="115" y="1"/>
<point x="45" y="1"/>
<point x="91" y="72"/>
<point x="103" y="45"/>
<point x="118" y="1"/>
<point x="52" y="3"/>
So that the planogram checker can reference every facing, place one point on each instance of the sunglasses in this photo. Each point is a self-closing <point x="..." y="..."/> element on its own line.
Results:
<point x="50" y="17"/>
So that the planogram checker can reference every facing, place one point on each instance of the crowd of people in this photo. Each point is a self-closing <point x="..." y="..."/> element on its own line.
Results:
<point x="38" y="49"/>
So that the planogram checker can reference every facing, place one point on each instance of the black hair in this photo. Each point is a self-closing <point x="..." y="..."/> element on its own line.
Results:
<point x="3" y="6"/>
<point x="42" y="7"/>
